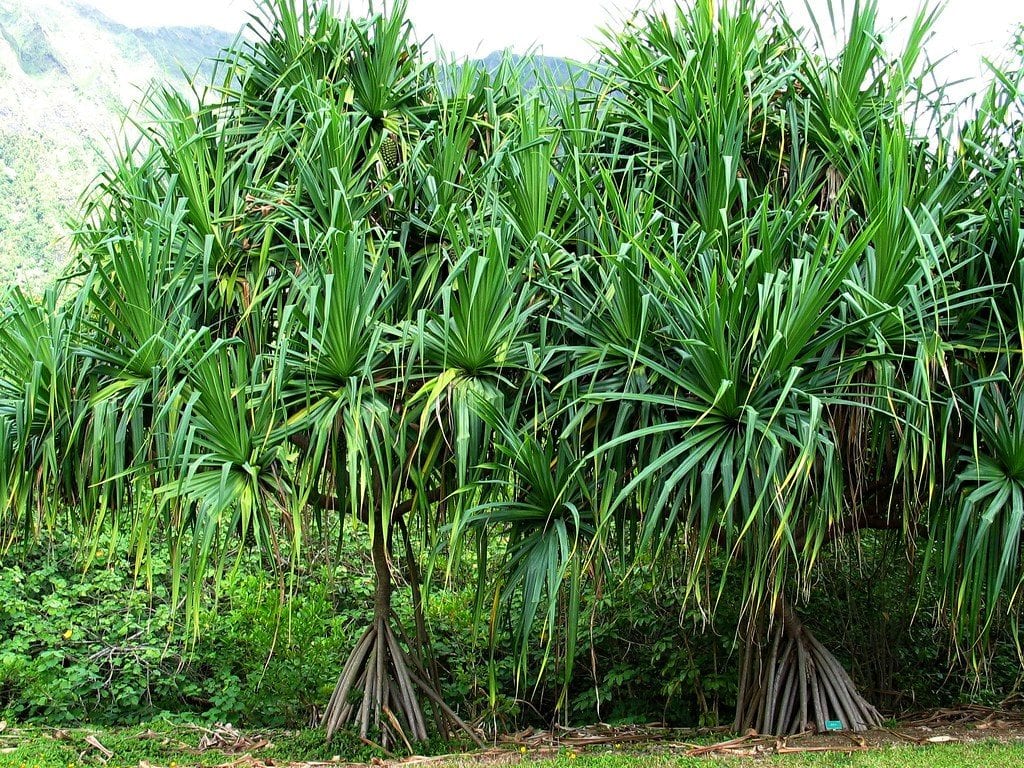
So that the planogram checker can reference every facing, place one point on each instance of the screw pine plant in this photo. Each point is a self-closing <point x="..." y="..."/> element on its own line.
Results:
<point x="719" y="295"/>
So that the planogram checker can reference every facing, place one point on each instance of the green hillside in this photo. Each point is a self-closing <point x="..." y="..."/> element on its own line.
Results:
<point x="67" y="74"/>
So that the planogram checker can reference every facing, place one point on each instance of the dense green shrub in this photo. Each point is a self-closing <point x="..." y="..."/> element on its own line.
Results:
<point x="76" y="644"/>
<point x="82" y="643"/>
<point x="268" y="660"/>
<point x="93" y="644"/>
<point x="657" y="657"/>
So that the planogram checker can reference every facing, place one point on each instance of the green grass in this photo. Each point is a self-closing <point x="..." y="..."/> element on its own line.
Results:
<point x="935" y="756"/>
<point x="167" y="745"/>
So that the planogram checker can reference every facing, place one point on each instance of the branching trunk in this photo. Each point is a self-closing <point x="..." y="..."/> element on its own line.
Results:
<point x="381" y="686"/>
<point x="797" y="685"/>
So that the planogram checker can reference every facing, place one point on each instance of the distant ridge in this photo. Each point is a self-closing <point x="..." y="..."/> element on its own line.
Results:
<point x="537" y="67"/>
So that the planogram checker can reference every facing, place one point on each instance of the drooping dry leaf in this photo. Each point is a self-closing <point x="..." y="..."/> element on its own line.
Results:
<point x="93" y="742"/>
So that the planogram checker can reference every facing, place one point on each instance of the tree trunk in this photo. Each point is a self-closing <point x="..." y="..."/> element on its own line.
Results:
<point x="792" y="683"/>
<point x="381" y="685"/>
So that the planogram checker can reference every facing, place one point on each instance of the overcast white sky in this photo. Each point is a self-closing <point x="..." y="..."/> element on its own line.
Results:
<point x="969" y="29"/>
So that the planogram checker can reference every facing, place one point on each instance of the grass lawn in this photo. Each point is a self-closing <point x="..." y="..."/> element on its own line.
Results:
<point x="933" y="756"/>
<point x="167" y="745"/>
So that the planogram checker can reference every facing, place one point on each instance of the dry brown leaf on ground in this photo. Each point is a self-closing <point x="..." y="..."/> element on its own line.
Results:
<point x="165" y="740"/>
<point x="93" y="742"/>
<point x="744" y="741"/>
<point x="227" y="738"/>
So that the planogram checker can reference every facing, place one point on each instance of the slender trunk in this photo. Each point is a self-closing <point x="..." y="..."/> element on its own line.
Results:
<point x="381" y="568"/>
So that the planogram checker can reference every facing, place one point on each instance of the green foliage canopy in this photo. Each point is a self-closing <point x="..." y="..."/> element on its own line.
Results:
<point x="724" y="291"/>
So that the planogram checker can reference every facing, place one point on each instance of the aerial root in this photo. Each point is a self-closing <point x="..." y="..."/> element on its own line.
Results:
<point x="800" y="686"/>
<point x="390" y="688"/>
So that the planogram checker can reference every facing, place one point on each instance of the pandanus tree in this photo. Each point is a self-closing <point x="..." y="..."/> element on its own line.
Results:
<point x="725" y="296"/>
<point x="755" y="320"/>
<point x="278" y="316"/>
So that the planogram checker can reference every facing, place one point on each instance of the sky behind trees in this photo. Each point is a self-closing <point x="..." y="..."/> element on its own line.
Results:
<point x="968" y="29"/>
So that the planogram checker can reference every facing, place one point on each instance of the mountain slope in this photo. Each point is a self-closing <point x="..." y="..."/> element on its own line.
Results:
<point x="66" y="75"/>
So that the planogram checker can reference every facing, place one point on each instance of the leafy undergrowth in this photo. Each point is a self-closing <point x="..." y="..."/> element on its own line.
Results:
<point x="174" y="745"/>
